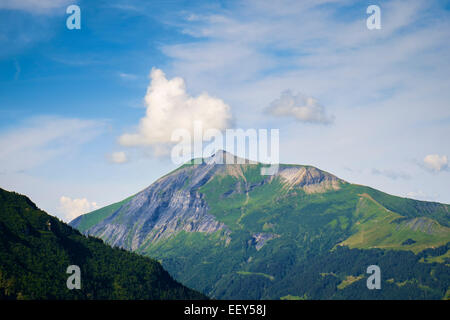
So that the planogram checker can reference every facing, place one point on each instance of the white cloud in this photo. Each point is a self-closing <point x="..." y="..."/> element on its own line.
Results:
<point x="72" y="208"/>
<point x="124" y="6"/>
<point x="435" y="162"/>
<point x="391" y="174"/>
<point x="118" y="157"/>
<point x="300" y="107"/>
<point x="127" y="76"/>
<point x="35" y="6"/>
<point x="41" y="139"/>
<point x="170" y="107"/>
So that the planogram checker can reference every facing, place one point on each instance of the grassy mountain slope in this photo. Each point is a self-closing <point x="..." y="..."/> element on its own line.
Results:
<point x="36" y="249"/>
<point x="379" y="227"/>
<point x="86" y="221"/>
<point x="267" y="230"/>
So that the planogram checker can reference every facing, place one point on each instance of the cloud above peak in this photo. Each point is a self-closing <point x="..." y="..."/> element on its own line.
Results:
<point x="300" y="107"/>
<point x="435" y="162"/>
<point x="170" y="107"/>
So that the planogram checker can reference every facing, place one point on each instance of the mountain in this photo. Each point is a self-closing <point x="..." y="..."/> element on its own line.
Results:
<point x="36" y="250"/>
<point x="232" y="233"/>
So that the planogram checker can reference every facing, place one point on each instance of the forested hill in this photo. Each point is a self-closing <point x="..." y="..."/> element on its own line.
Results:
<point x="36" y="249"/>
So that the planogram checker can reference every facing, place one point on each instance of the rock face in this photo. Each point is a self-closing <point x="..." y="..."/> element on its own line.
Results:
<point x="171" y="204"/>
<point x="259" y="239"/>
<point x="174" y="202"/>
<point x="310" y="179"/>
<point x="421" y="224"/>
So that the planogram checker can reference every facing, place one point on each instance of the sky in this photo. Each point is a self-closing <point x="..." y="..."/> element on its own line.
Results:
<point x="86" y="115"/>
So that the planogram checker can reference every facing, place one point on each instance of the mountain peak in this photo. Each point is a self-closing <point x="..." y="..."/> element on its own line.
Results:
<point x="224" y="157"/>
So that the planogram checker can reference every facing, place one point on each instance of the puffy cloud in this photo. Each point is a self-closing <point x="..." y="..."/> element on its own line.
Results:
<point x="435" y="162"/>
<point x="118" y="157"/>
<point x="72" y="208"/>
<point x="170" y="107"/>
<point x="302" y="108"/>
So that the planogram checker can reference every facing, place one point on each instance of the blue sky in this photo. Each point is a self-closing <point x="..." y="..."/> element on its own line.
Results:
<point x="68" y="96"/>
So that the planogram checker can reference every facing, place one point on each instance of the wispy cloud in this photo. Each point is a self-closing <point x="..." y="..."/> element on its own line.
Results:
<point x="24" y="23"/>
<point x="127" y="76"/>
<point x="41" y="139"/>
<point x="257" y="50"/>
<point x="391" y="174"/>
<point x="18" y="69"/>
<point x="35" y="6"/>
<point x="126" y="6"/>
<point x="118" y="157"/>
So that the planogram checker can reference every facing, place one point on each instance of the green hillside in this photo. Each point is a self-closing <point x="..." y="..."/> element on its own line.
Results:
<point x="36" y="249"/>
<point x="378" y="227"/>
<point x="277" y="231"/>
<point x="309" y="227"/>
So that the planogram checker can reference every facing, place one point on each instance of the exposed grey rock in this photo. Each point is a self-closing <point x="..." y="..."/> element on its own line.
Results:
<point x="260" y="239"/>
<point x="421" y="224"/>
<point x="310" y="179"/>
<point x="168" y="206"/>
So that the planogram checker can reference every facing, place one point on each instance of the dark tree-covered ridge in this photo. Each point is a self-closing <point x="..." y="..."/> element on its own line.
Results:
<point x="36" y="249"/>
